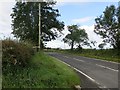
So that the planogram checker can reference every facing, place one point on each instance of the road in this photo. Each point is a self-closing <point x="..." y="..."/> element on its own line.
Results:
<point x="94" y="73"/>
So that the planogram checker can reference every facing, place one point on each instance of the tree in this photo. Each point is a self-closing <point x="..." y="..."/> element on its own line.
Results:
<point x="25" y="18"/>
<point x="101" y="46"/>
<point x="108" y="26"/>
<point x="93" y="44"/>
<point x="76" y="36"/>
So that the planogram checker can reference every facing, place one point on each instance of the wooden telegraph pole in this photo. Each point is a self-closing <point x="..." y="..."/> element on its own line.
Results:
<point x="39" y="46"/>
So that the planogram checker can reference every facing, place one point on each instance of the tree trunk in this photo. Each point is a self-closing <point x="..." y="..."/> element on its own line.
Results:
<point x="72" y="45"/>
<point x="79" y="47"/>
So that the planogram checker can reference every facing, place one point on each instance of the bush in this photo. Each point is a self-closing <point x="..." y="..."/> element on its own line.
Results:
<point x="16" y="53"/>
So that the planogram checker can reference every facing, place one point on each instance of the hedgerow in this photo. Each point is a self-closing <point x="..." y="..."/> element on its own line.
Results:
<point x="16" y="53"/>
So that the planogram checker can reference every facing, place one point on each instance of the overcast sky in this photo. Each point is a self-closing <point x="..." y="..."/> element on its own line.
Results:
<point x="77" y="12"/>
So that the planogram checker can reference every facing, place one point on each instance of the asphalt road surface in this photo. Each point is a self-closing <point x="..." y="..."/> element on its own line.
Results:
<point x="93" y="73"/>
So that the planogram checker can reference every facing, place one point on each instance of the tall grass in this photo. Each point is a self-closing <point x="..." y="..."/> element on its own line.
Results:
<point x="104" y="54"/>
<point x="43" y="72"/>
<point x="16" y="53"/>
<point x="22" y="68"/>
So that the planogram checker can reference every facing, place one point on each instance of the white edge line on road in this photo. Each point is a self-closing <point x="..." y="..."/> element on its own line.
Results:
<point x="66" y="56"/>
<point x="84" y="75"/>
<point x="78" y="60"/>
<point x="96" y="64"/>
<point x="75" y="59"/>
<point x="107" y="67"/>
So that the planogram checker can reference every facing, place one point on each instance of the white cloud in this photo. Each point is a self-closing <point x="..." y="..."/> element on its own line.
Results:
<point x="71" y="0"/>
<point x="82" y="20"/>
<point x="64" y="2"/>
<point x="87" y="0"/>
<point x="5" y="19"/>
<point x="7" y="1"/>
<point x="93" y="36"/>
<point x="58" y="43"/>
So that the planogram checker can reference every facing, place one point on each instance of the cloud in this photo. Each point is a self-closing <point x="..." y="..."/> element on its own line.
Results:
<point x="65" y="2"/>
<point x="82" y="20"/>
<point x="7" y="1"/>
<point x="5" y="19"/>
<point x="71" y="0"/>
<point x="58" y="43"/>
<point x="87" y="1"/>
<point x="91" y="34"/>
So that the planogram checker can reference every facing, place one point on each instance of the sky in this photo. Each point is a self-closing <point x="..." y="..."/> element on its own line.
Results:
<point x="72" y="12"/>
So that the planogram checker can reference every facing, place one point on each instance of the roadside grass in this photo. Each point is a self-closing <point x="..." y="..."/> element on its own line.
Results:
<point x="43" y="72"/>
<point x="104" y="54"/>
<point x="107" y="54"/>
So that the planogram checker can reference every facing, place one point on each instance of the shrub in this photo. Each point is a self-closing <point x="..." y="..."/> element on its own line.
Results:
<point x="16" y="53"/>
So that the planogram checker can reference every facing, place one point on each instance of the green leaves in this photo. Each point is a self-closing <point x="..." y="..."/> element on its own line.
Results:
<point x="16" y="53"/>
<point x="25" y="21"/>
<point x="76" y="36"/>
<point x="108" y="26"/>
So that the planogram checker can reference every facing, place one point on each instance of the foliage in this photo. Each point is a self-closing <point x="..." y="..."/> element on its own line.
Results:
<point x="43" y="72"/>
<point x="76" y="36"/>
<point x="101" y="45"/>
<point x="104" y="54"/>
<point x="25" y="21"/>
<point x="16" y="53"/>
<point x="108" y="26"/>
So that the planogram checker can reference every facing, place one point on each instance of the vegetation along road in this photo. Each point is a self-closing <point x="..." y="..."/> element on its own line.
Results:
<point x="102" y="73"/>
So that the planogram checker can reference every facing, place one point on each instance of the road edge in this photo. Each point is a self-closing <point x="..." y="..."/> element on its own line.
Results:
<point x="99" y="86"/>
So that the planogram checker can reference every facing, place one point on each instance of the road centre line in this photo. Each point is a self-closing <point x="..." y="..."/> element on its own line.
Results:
<point x="107" y="67"/>
<point x="96" y="64"/>
<point x="78" y="60"/>
<point x="75" y="59"/>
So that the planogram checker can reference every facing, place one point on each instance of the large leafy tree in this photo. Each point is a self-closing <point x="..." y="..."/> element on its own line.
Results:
<point x="108" y="26"/>
<point x="76" y="36"/>
<point x="25" y="19"/>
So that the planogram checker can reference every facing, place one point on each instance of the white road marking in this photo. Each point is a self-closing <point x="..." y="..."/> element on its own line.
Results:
<point x="66" y="56"/>
<point x="107" y="67"/>
<point x="102" y="60"/>
<point x="84" y="75"/>
<point x="78" y="60"/>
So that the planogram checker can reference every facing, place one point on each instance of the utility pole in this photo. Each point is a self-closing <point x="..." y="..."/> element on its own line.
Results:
<point x="39" y="46"/>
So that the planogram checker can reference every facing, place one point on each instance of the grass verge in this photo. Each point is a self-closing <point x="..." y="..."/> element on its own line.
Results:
<point x="43" y="72"/>
<point x="106" y="54"/>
